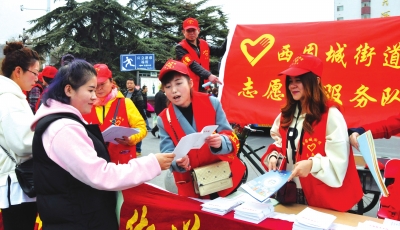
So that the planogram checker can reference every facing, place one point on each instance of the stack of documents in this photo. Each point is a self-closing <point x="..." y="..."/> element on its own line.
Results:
<point x="223" y="205"/>
<point x="220" y="206"/>
<point x="254" y="212"/>
<point x="312" y="219"/>
<point x="388" y="224"/>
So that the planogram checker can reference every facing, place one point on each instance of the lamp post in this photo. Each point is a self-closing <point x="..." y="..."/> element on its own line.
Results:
<point x="47" y="11"/>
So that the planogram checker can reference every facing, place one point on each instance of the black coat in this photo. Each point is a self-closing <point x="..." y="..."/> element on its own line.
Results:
<point x="160" y="102"/>
<point x="64" y="202"/>
<point x="137" y="98"/>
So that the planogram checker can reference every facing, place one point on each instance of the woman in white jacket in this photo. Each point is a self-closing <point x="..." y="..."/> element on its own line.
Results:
<point x="20" y="68"/>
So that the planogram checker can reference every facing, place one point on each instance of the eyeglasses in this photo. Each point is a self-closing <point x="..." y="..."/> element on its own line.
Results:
<point x="36" y="74"/>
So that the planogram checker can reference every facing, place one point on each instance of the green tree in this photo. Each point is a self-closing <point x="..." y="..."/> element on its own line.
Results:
<point x="99" y="31"/>
<point x="163" y="25"/>
<point x="94" y="30"/>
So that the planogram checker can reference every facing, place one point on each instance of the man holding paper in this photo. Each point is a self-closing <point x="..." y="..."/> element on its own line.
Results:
<point x="195" y="53"/>
<point x="190" y="112"/>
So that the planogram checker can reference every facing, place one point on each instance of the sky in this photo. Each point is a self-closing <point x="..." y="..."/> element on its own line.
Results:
<point x="13" y="20"/>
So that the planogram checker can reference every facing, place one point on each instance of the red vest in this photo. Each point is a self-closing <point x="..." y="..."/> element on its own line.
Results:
<point x="200" y="157"/>
<point x="317" y="193"/>
<point x="118" y="153"/>
<point x="203" y="60"/>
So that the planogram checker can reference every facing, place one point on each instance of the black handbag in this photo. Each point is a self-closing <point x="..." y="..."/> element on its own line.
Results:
<point x="24" y="172"/>
<point x="287" y="194"/>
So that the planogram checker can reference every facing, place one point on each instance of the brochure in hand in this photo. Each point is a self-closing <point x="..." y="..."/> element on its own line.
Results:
<point x="193" y="141"/>
<point x="367" y="149"/>
<point x="267" y="184"/>
<point x="114" y="131"/>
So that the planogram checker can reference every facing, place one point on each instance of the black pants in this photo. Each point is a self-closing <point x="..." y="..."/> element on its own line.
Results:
<point x="21" y="216"/>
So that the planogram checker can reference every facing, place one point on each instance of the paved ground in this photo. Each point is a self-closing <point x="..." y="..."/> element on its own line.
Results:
<point x="385" y="148"/>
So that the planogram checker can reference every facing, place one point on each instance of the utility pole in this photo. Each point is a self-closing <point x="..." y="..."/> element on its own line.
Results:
<point x="48" y="29"/>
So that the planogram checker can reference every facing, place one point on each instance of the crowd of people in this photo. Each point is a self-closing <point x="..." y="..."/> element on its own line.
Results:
<point x="80" y="100"/>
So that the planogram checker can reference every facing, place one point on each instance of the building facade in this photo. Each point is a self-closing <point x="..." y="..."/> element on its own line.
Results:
<point x="358" y="9"/>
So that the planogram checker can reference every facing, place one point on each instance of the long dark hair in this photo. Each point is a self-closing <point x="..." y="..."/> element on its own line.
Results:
<point x="314" y="103"/>
<point x="76" y="74"/>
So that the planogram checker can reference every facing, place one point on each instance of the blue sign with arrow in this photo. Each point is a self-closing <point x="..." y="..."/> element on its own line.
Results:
<point x="130" y="62"/>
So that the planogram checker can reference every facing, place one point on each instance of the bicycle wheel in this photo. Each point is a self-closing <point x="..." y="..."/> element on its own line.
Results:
<point x="369" y="201"/>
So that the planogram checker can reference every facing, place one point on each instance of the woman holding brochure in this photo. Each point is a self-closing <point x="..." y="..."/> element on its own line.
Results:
<point x="112" y="108"/>
<point x="190" y="112"/>
<point x="311" y="141"/>
<point x="74" y="178"/>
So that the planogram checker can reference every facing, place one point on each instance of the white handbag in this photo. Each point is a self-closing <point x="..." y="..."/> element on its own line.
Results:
<point x="212" y="178"/>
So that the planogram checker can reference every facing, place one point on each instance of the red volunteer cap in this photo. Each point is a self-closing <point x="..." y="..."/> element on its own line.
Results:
<point x="40" y="76"/>
<point x="103" y="72"/>
<point x="49" y="71"/>
<point x="190" y="23"/>
<point x="173" y="65"/>
<point x="303" y="64"/>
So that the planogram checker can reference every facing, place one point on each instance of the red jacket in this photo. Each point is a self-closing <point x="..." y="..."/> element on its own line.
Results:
<point x="385" y="128"/>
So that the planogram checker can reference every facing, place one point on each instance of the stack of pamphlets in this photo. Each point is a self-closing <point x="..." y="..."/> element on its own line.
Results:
<point x="388" y="224"/>
<point x="266" y="185"/>
<point x="254" y="212"/>
<point x="223" y="205"/>
<point x="311" y="219"/>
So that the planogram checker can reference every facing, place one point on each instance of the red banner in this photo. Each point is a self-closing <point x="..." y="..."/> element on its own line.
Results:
<point x="361" y="67"/>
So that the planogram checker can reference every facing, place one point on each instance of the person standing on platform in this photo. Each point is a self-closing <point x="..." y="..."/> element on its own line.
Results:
<point x="311" y="141"/>
<point x="20" y="68"/>
<point x="110" y="106"/>
<point x="136" y="97"/>
<point x="74" y="179"/>
<point x="195" y="53"/>
<point x="190" y="112"/>
<point x="160" y="103"/>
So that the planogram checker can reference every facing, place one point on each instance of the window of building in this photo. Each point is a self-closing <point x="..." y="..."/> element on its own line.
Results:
<point x="340" y="18"/>
<point x="339" y="8"/>
<point x="366" y="4"/>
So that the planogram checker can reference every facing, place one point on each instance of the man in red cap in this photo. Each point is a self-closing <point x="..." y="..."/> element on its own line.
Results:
<point x="195" y="53"/>
<point x="45" y="78"/>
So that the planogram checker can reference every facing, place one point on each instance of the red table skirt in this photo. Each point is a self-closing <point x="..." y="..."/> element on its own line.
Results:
<point x="146" y="206"/>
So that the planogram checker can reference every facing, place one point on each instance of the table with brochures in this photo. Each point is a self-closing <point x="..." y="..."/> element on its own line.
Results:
<point x="146" y="206"/>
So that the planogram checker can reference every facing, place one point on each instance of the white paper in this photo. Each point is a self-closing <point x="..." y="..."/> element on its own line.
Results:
<point x="371" y="225"/>
<point x="316" y="219"/>
<point x="391" y="223"/>
<point x="113" y="132"/>
<point x="193" y="141"/>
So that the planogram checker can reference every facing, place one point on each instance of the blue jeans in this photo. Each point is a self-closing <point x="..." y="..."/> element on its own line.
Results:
<point x="147" y="122"/>
<point x="139" y="147"/>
